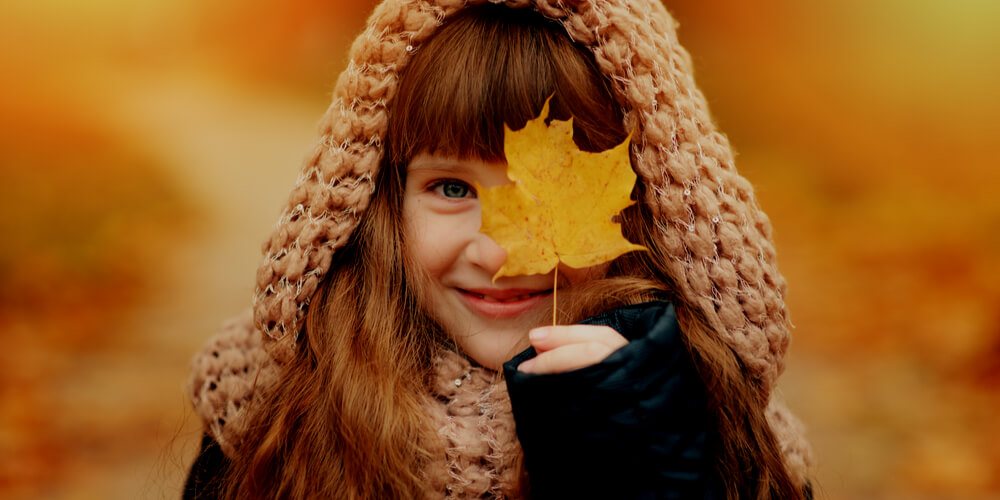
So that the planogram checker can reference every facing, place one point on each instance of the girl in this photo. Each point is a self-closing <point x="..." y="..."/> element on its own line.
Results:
<point x="381" y="361"/>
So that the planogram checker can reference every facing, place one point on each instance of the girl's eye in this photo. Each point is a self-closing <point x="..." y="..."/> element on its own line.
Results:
<point x="453" y="189"/>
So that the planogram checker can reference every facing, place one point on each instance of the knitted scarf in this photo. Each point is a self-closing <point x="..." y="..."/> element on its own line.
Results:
<point x="471" y="411"/>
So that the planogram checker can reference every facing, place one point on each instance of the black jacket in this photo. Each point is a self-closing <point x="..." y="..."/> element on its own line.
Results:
<point x="636" y="425"/>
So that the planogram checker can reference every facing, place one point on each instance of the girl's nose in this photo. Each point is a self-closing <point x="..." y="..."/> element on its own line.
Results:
<point x="485" y="253"/>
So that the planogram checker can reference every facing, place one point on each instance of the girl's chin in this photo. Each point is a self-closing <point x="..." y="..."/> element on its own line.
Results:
<point x="493" y="355"/>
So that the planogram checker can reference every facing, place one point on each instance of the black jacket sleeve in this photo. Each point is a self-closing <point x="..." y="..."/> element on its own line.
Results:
<point x="206" y="472"/>
<point x="636" y="425"/>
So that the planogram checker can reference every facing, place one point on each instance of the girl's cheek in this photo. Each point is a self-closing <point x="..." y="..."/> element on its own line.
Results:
<point x="437" y="238"/>
<point x="416" y="226"/>
<point x="432" y="244"/>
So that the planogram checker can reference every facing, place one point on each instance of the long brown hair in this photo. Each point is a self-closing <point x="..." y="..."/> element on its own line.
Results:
<point x="346" y="419"/>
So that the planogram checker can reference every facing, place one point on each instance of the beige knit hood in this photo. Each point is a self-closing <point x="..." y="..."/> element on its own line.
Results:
<point x="721" y="255"/>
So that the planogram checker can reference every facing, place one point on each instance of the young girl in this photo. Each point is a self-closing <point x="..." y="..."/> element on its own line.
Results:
<point x="380" y="360"/>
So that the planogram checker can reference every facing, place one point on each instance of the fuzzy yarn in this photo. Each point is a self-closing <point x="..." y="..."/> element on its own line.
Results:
<point x="721" y="256"/>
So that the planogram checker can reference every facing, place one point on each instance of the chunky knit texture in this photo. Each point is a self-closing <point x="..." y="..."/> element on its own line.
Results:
<point x="721" y="256"/>
<point x="472" y="412"/>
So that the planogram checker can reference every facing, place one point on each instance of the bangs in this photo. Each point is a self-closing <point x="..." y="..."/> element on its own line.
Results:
<point x="492" y="65"/>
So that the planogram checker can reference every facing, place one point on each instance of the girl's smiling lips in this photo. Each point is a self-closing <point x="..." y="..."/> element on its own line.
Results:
<point x="501" y="303"/>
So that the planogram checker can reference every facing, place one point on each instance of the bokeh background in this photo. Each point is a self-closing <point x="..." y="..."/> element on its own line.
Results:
<point x="146" y="147"/>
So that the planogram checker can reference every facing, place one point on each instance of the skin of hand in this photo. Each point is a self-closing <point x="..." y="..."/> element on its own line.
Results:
<point x="564" y="348"/>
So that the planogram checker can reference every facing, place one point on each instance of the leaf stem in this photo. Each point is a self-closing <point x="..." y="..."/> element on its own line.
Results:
<point x="555" y="293"/>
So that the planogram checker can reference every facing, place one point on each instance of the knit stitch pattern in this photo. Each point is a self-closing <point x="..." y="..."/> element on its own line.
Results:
<point x="721" y="256"/>
<point x="472" y="413"/>
<point x="230" y="374"/>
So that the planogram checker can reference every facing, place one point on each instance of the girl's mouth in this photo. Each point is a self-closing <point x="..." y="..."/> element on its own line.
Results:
<point x="506" y="296"/>
<point x="501" y="303"/>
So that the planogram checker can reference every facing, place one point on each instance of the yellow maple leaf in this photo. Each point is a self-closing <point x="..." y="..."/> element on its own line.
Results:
<point x="561" y="202"/>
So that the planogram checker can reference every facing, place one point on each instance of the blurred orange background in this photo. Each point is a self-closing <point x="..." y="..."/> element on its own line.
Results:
<point x="146" y="147"/>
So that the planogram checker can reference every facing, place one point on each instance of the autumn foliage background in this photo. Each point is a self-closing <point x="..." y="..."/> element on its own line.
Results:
<point x="146" y="147"/>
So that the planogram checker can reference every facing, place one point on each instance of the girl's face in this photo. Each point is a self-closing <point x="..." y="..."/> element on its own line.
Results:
<point x="489" y="320"/>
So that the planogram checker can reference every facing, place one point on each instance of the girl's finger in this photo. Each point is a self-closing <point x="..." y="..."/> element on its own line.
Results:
<point x="550" y="337"/>
<point x="566" y="358"/>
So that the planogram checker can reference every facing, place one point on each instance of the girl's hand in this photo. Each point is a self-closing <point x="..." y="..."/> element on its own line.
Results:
<point x="569" y="347"/>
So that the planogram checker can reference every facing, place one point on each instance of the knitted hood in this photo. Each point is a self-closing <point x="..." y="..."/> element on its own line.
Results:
<point x="723" y="260"/>
<point x="721" y="256"/>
